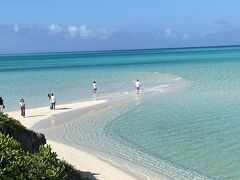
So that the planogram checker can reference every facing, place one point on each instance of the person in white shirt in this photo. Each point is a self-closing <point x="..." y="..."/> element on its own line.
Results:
<point x="52" y="101"/>
<point x="138" y="85"/>
<point x="22" y="107"/>
<point x="94" y="87"/>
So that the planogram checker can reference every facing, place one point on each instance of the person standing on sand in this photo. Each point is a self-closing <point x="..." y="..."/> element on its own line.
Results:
<point x="22" y="107"/>
<point x="94" y="87"/>
<point x="1" y="105"/>
<point x="49" y="96"/>
<point x="52" y="101"/>
<point x="138" y="85"/>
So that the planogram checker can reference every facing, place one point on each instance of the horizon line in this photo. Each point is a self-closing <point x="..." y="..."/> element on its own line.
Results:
<point x="116" y="50"/>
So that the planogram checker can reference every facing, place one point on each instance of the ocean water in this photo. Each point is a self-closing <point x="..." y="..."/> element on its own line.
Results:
<point x="184" y="125"/>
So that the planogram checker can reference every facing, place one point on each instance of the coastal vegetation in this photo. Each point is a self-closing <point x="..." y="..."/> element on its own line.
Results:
<point x="24" y="154"/>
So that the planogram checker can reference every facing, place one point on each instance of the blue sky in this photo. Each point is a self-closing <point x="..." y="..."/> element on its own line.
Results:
<point x="77" y="25"/>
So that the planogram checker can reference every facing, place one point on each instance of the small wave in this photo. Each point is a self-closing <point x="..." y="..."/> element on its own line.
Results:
<point x="178" y="78"/>
<point x="157" y="89"/>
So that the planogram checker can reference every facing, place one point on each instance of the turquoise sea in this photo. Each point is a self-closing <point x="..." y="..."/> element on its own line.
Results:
<point x="185" y="124"/>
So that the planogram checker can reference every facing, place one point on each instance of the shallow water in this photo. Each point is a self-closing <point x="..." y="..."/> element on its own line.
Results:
<point x="185" y="124"/>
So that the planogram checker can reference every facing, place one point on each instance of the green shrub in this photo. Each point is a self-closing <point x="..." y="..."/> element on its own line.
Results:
<point x="15" y="163"/>
<point x="10" y="123"/>
<point x="19" y="162"/>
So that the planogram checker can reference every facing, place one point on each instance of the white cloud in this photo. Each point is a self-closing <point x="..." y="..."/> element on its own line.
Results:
<point x="186" y="36"/>
<point x="85" y="32"/>
<point x="55" y="28"/>
<point x="72" y="30"/>
<point x="167" y="33"/>
<point x="204" y="34"/>
<point x="105" y="33"/>
<point x="221" y="22"/>
<point x="81" y="31"/>
<point x="16" y="28"/>
<point x="224" y="23"/>
<point x="173" y="35"/>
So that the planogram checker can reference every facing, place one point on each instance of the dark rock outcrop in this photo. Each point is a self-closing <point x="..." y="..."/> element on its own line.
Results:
<point x="29" y="140"/>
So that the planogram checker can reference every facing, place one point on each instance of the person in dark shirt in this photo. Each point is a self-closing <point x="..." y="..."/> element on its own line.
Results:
<point x="1" y="105"/>
<point x="22" y="107"/>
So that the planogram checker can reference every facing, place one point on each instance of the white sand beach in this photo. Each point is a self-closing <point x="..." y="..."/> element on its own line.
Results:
<point x="80" y="159"/>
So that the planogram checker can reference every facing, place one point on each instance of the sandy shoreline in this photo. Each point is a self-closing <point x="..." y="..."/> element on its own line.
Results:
<point x="91" y="165"/>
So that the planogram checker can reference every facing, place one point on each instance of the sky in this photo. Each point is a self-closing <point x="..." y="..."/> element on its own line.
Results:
<point x="29" y="26"/>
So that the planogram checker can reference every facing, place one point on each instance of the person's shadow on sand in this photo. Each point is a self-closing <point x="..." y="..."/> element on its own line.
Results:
<point x="34" y="116"/>
<point x="62" y="108"/>
<point x="88" y="175"/>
